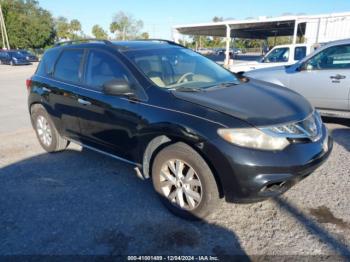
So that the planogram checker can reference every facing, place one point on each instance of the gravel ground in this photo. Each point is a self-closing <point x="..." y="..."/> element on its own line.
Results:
<point x="80" y="202"/>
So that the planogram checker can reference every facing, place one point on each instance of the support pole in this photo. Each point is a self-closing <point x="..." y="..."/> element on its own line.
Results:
<point x="228" y="40"/>
<point x="318" y="30"/>
<point x="3" y="30"/>
<point x="2" y="34"/>
<point x="295" y="34"/>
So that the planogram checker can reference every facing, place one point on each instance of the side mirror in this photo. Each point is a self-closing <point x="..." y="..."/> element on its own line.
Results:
<point x="117" y="87"/>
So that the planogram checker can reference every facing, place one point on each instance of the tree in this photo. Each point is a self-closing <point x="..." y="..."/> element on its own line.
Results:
<point x="98" y="32"/>
<point x="70" y="30"/>
<point x="217" y="19"/>
<point x="75" y="29"/>
<point x="62" y="28"/>
<point x="28" y="25"/>
<point x="125" y="26"/>
<point x="144" y="35"/>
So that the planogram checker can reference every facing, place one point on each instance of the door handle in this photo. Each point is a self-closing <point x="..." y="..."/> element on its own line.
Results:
<point x="46" y="90"/>
<point x="338" y="77"/>
<point x="84" y="102"/>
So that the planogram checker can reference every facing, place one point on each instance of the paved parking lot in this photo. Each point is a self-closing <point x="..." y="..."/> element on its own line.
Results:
<point x="79" y="202"/>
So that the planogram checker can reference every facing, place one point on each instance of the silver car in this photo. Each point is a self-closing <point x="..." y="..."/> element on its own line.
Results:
<point x="323" y="78"/>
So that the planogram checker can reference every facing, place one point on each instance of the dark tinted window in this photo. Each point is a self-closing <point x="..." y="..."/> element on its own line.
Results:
<point x="299" y="52"/>
<point x="102" y="67"/>
<point x="68" y="65"/>
<point x="47" y="63"/>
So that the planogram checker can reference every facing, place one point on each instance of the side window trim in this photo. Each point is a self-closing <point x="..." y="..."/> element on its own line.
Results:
<point x="52" y="74"/>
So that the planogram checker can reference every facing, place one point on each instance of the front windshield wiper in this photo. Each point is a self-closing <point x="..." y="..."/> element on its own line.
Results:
<point x="223" y="84"/>
<point x="186" y="89"/>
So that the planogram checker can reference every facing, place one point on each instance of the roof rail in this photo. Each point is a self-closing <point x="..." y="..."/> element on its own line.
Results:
<point x="162" y="40"/>
<point x="107" y="42"/>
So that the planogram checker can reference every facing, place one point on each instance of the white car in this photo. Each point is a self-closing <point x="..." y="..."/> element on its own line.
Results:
<point x="279" y="55"/>
<point x="322" y="77"/>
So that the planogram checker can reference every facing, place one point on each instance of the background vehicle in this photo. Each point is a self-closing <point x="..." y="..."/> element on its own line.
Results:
<point x="12" y="58"/>
<point x="323" y="78"/>
<point x="233" y="51"/>
<point x="279" y="55"/>
<point x="186" y="122"/>
<point x="29" y="56"/>
<point x="205" y="51"/>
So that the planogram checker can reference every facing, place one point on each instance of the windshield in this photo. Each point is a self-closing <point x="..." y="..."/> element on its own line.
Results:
<point x="16" y="55"/>
<point x="277" y="55"/>
<point x="180" y="68"/>
<point x="25" y="53"/>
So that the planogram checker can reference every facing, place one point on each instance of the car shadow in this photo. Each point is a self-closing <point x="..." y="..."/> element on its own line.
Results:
<point x="88" y="204"/>
<point x="341" y="135"/>
<point x="313" y="228"/>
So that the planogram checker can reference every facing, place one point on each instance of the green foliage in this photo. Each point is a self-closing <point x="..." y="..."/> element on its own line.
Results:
<point x="98" y="32"/>
<point x="70" y="30"/>
<point x="144" y="35"/>
<point x="28" y="25"/>
<point x="125" y="26"/>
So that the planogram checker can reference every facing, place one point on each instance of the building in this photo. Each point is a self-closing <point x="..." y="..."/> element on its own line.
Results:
<point x="314" y="28"/>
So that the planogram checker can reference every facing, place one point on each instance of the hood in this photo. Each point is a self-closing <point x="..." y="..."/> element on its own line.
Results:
<point x="266" y="70"/>
<point x="256" y="102"/>
<point x="252" y="63"/>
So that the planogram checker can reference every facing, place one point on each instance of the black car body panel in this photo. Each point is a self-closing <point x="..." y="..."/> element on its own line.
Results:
<point x="256" y="102"/>
<point x="125" y="126"/>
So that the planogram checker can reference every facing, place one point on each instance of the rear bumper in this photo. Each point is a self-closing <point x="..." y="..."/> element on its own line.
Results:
<point x="248" y="175"/>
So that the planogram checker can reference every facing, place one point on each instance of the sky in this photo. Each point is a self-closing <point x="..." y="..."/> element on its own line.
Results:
<point x="160" y="15"/>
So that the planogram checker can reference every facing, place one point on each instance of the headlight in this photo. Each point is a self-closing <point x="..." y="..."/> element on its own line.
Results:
<point x="253" y="138"/>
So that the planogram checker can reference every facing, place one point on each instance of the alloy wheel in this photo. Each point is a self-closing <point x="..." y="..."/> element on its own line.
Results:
<point x="44" y="130"/>
<point x="180" y="184"/>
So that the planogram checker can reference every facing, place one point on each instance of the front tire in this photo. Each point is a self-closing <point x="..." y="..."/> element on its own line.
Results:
<point x="48" y="136"/>
<point x="184" y="182"/>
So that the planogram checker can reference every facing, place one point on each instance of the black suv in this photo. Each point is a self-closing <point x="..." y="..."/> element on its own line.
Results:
<point x="199" y="131"/>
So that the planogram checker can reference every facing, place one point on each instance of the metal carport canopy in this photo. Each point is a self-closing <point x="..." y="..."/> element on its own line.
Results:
<point x="251" y="28"/>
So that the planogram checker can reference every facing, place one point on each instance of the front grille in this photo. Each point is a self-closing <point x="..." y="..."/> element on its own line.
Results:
<point x="310" y="128"/>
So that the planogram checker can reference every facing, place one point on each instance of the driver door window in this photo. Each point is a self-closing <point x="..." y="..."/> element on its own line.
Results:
<point x="335" y="57"/>
<point x="100" y="68"/>
<point x="277" y="55"/>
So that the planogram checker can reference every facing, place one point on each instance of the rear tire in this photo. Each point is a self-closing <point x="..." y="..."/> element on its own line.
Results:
<point x="191" y="193"/>
<point x="47" y="134"/>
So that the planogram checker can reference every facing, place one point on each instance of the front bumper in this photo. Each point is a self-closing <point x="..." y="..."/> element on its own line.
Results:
<point x="248" y="175"/>
<point x="21" y="62"/>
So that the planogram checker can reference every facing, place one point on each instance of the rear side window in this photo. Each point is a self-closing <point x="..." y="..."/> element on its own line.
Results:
<point x="299" y="52"/>
<point x="102" y="67"/>
<point x="47" y="63"/>
<point x="68" y="65"/>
